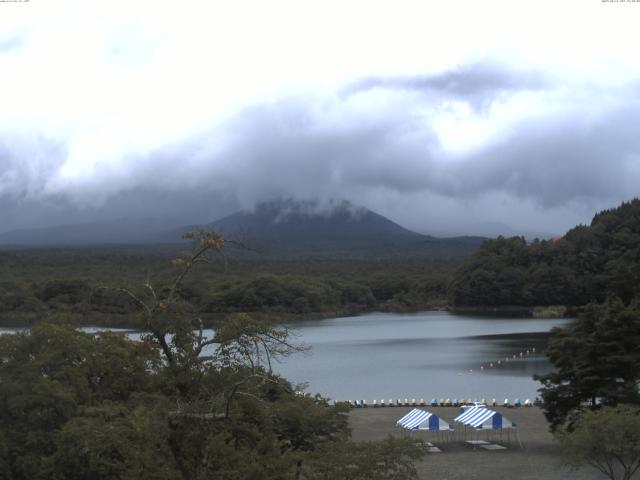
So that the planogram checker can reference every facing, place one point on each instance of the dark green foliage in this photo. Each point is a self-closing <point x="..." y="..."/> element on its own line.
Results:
<point x="586" y="265"/>
<point x="77" y="406"/>
<point x="391" y="459"/>
<point x="176" y="404"/>
<point x="49" y="374"/>
<point x="607" y="439"/>
<point x="116" y="441"/>
<point x="39" y="283"/>
<point x="597" y="361"/>
<point x="494" y="275"/>
<point x="18" y="297"/>
<point x="64" y="291"/>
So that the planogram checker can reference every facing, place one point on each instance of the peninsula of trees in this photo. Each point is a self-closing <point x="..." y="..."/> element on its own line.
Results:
<point x="588" y="264"/>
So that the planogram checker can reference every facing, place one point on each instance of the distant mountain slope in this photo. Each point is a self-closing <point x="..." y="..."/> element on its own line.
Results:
<point x="120" y="231"/>
<point x="281" y="228"/>
<point x="293" y="220"/>
<point x="339" y="229"/>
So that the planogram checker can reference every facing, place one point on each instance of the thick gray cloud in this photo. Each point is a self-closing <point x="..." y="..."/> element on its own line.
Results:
<point x="570" y="150"/>
<point x="564" y="159"/>
<point x="26" y="162"/>
<point x="582" y="154"/>
<point x="477" y="82"/>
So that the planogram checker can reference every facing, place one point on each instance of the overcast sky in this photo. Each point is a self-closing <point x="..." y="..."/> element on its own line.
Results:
<point x="444" y="116"/>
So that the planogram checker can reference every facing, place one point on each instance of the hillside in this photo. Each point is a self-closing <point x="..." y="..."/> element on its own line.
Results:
<point x="588" y="264"/>
<point x="280" y="228"/>
<point x="341" y="229"/>
<point x="291" y="228"/>
<point x="123" y="231"/>
<point x="293" y="220"/>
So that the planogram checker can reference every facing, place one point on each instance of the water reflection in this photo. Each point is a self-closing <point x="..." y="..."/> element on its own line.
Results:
<point x="421" y="355"/>
<point x="425" y="355"/>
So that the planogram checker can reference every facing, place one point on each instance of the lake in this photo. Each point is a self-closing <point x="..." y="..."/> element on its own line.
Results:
<point x="421" y="355"/>
<point x="417" y="355"/>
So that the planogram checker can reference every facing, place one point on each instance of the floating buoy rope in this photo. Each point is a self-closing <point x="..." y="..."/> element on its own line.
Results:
<point x="507" y="359"/>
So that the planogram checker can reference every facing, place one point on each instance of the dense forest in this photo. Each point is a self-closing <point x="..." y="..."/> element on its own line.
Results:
<point x="39" y="283"/>
<point x="587" y="265"/>
<point x="175" y="405"/>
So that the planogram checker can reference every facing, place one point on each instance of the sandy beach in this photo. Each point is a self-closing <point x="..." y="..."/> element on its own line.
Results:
<point x="538" y="459"/>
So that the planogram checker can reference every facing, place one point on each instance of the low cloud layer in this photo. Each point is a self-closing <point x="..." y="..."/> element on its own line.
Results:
<point x="446" y="118"/>
<point x="439" y="153"/>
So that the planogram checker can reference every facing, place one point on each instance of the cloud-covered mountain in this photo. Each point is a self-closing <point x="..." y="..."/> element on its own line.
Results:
<point x="306" y="220"/>
<point x="281" y="227"/>
<point x="477" y="118"/>
<point x="288" y="227"/>
<point x="481" y="143"/>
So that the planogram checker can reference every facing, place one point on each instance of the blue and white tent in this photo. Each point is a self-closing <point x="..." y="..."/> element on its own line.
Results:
<point x="418" y="419"/>
<point x="482" y="418"/>
<point x="467" y="413"/>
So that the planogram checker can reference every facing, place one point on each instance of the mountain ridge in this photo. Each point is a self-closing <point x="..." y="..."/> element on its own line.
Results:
<point x="119" y="231"/>
<point x="282" y="226"/>
<point x="308" y="220"/>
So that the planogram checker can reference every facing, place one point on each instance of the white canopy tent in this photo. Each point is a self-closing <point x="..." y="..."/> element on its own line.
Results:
<point x="418" y="419"/>
<point x="479" y="418"/>
<point x="483" y="418"/>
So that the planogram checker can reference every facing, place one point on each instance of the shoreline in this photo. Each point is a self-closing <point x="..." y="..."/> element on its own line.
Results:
<point x="97" y="319"/>
<point x="531" y="311"/>
<point x="445" y="402"/>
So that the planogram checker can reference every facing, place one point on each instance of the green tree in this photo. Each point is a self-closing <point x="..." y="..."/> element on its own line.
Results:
<point x="391" y="459"/>
<point x="177" y="404"/>
<point x="597" y="361"/>
<point x="586" y="265"/>
<point x="607" y="439"/>
<point x="49" y="375"/>
<point x="116" y="441"/>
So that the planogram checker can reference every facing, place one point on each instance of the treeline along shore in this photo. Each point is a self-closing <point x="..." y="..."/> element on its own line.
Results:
<point x="588" y="264"/>
<point x="84" y="284"/>
<point x="551" y="277"/>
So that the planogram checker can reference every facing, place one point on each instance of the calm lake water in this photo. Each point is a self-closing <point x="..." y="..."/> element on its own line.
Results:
<point x="419" y="355"/>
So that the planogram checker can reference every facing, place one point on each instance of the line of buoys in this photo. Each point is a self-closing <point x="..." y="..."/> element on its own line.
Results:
<point x="507" y="359"/>
<point x="448" y="402"/>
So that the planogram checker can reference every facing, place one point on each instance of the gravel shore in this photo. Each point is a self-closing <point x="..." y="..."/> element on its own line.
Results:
<point x="539" y="459"/>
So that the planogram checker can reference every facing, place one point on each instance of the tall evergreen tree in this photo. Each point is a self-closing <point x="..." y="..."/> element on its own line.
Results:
<point x="597" y="361"/>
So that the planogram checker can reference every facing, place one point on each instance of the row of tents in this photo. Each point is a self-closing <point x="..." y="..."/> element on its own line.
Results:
<point x="477" y="417"/>
<point x="474" y="421"/>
